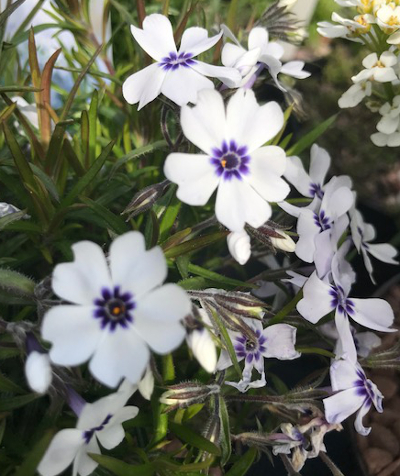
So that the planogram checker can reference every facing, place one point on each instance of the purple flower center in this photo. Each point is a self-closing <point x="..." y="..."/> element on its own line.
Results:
<point x="230" y="160"/>
<point x="322" y="220"/>
<point x="173" y="61"/>
<point x="88" y="434"/>
<point x="114" y="308"/>
<point x="316" y="190"/>
<point x="340" y="301"/>
<point x="250" y="350"/>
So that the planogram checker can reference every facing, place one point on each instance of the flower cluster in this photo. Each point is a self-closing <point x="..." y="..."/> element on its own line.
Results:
<point x="377" y="26"/>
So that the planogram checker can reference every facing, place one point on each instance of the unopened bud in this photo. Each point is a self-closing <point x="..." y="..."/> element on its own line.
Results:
<point x="185" y="394"/>
<point x="145" y="199"/>
<point x="239" y="246"/>
<point x="284" y="242"/>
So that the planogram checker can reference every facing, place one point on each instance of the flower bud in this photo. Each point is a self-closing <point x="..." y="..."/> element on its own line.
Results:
<point x="38" y="371"/>
<point x="239" y="246"/>
<point x="284" y="242"/>
<point x="145" y="199"/>
<point x="185" y="394"/>
<point x="146" y="385"/>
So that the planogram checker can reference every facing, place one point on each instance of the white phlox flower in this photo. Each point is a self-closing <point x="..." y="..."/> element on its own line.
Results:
<point x="322" y="215"/>
<point x="355" y="94"/>
<point x="119" y="310"/>
<point x="276" y="341"/>
<point x="309" y="184"/>
<point x="321" y="298"/>
<point x="380" y="139"/>
<point x="239" y="246"/>
<point x="362" y="234"/>
<point x="378" y="69"/>
<point x="355" y="393"/>
<point x="176" y="74"/>
<point x="261" y="52"/>
<point x="346" y="28"/>
<point x="234" y="161"/>
<point x="99" y="422"/>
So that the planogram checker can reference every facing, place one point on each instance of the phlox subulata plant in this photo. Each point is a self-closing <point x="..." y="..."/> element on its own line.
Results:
<point x="158" y="271"/>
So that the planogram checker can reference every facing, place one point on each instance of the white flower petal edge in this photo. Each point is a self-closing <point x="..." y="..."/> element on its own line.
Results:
<point x="247" y="175"/>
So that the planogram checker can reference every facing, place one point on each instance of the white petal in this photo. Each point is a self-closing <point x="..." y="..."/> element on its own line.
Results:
<point x="297" y="176"/>
<point x="146" y="385"/>
<point x="82" y="280"/>
<point x="231" y="54"/>
<point x="144" y="86"/>
<point x="125" y="251"/>
<point x="112" y="435"/>
<point x="366" y="341"/>
<point x="162" y="337"/>
<point x="374" y="313"/>
<point x="147" y="272"/>
<point x="229" y="76"/>
<point x="370" y="60"/>
<point x="388" y="124"/>
<point x="237" y="203"/>
<point x="84" y="465"/>
<point x="258" y="38"/>
<point x="307" y="230"/>
<point x="281" y="339"/>
<point x="239" y="246"/>
<point x="384" y="75"/>
<point x="183" y="84"/>
<point x="204" y="124"/>
<point x="324" y="252"/>
<point x="379" y="139"/>
<point x="61" y="452"/>
<point x="383" y="252"/>
<point x="319" y="164"/>
<point x="195" y="175"/>
<point x="274" y="49"/>
<point x="74" y="333"/>
<point x="347" y="345"/>
<point x="266" y="166"/>
<point x="317" y="301"/>
<point x="224" y="361"/>
<point x="338" y="203"/>
<point x="295" y="70"/>
<point x="203" y="349"/>
<point x="250" y="124"/>
<point x="340" y="406"/>
<point x="168" y="303"/>
<point x="38" y="371"/>
<point x="344" y="374"/>
<point x="157" y="36"/>
<point x="360" y="428"/>
<point x="195" y="40"/>
<point x="122" y="354"/>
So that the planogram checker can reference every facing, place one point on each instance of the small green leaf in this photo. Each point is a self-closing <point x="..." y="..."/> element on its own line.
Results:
<point x="7" y="385"/>
<point x="87" y="179"/>
<point x="9" y="10"/>
<point x="218" y="278"/>
<point x="286" y="309"/>
<point x="190" y="246"/>
<point x="113" y="221"/>
<point x="93" y="126"/>
<point x="309" y="139"/>
<point x="169" y="218"/>
<point x="7" y="404"/>
<point x="120" y="468"/>
<point x="33" y="458"/>
<point x="11" y="218"/>
<point x="197" y="441"/>
<point x="241" y="467"/>
<point x="18" y="89"/>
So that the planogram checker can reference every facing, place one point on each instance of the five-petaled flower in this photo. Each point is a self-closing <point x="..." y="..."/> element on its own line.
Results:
<point x="176" y="74"/>
<point x="247" y="175"/>
<point x="118" y="311"/>
<point x="98" y="422"/>
<point x="355" y="392"/>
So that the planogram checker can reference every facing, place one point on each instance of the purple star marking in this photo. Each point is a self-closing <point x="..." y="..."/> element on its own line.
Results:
<point x="114" y="308"/>
<point x="248" y="349"/>
<point x="340" y="301"/>
<point x="365" y="388"/>
<point x="322" y="220"/>
<point x="230" y="160"/>
<point x="316" y="190"/>
<point x="88" y="434"/>
<point x="173" y="61"/>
